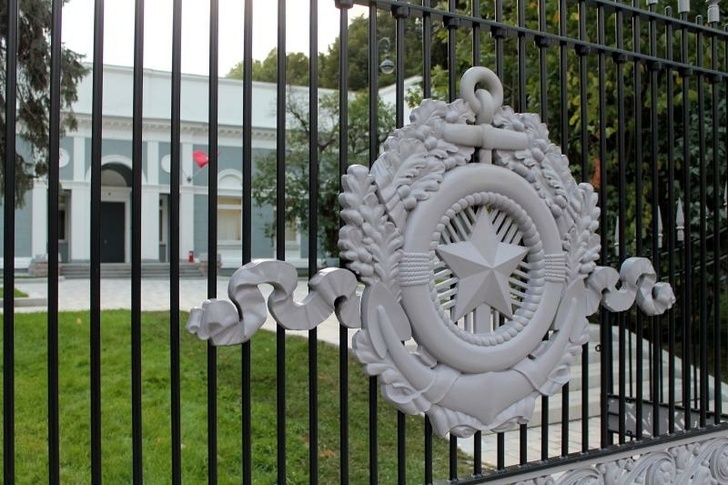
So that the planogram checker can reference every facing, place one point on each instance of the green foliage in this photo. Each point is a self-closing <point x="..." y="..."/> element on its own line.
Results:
<point x="358" y="51"/>
<point x="33" y="93"/>
<point x="297" y="160"/>
<point x="74" y="367"/>
<point x="297" y="66"/>
<point x="298" y="134"/>
<point x="532" y="80"/>
<point x="16" y="293"/>
<point x="297" y="63"/>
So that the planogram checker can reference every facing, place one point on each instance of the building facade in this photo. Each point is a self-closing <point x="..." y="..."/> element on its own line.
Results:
<point x="116" y="169"/>
<point x="116" y="174"/>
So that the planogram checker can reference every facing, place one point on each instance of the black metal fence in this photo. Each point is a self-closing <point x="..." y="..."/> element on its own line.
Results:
<point x="636" y="97"/>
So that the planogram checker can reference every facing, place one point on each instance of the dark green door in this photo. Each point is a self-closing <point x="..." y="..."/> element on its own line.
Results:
<point x="112" y="232"/>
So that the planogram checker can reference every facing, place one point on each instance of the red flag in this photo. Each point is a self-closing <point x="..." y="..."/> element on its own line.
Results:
<point x="200" y="158"/>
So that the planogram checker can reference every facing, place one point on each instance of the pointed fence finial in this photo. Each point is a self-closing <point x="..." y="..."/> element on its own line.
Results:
<point x="659" y="227"/>
<point x="680" y="221"/>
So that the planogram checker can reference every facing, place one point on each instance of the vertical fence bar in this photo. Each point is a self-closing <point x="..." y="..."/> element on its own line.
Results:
<point x="343" y="7"/>
<point x="212" y="190"/>
<point x="656" y="388"/>
<point x="54" y="135"/>
<point x="521" y="101"/>
<point x="313" y="183"/>
<point x="427" y="93"/>
<point x="452" y="24"/>
<point x="453" y="454"/>
<point x="212" y="150"/>
<point x="564" y="131"/>
<point x="605" y="322"/>
<point x="478" y="436"/>
<point x="400" y="14"/>
<point x="498" y="34"/>
<point x="247" y="216"/>
<point x="637" y="104"/>
<point x="723" y="341"/>
<point x="622" y="214"/>
<point x="687" y="249"/>
<point x="671" y="233"/>
<point x="501" y="451"/>
<point x="373" y="152"/>
<point x="427" y="51"/>
<point x="583" y="52"/>
<point x="212" y="147"/>
<point x="11" y="68"/>
<point x="428" y="450"/>
<point x="542" y="44"/>
<point x="281" y="236"/>
<point x="95" y="244"/>
<point x="717" y="206"/>
<point x="702" y="231"/>
<point x="475" y="34"/>
<point x="136" y="243"/>
<point x="522" y="106"/>
<point x="174" y="186"/>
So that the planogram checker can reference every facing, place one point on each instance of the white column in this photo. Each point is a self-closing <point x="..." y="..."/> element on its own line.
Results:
<point x="39" y="229"/>
<point x="80" y="223"/>
<point x="186" y="206"/>
<point x="186" y="162"/>
<point x="79" y="159"/>
<point x="152" y="163"/>
<point x="186" y="222"/>
<point x="150" y="223"/>
<point x="150" y="205"/>
<point x="79" y="210"/>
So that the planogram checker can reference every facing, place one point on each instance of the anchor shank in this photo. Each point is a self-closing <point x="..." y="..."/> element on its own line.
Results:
<point x="486" y="137"/>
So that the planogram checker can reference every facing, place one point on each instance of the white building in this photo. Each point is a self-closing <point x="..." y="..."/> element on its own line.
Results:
<point x="75" y="173"/>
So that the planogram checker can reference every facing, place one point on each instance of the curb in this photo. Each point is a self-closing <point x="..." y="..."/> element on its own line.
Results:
<point x="28" y="301"/>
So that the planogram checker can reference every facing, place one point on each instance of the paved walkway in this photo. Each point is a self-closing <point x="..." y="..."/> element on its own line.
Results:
<point x="75" y="295"/>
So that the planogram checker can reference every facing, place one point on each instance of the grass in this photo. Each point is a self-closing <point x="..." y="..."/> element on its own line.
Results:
<point x="16" y="293"/>
<point x="74" y="369"/>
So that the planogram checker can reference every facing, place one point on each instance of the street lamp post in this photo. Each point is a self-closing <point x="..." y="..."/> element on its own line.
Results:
<point x="386" y="66"/>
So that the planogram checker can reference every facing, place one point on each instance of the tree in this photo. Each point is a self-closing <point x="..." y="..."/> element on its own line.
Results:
<point x="358" y="52"/>
<point x="33" y="93"/>
<point x="297" y="65"/>
<point x="297" y="161"/>
<point x="523" y="91"/>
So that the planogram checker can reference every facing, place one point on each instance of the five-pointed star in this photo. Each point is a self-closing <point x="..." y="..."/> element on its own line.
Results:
<point x="483" y="266"/>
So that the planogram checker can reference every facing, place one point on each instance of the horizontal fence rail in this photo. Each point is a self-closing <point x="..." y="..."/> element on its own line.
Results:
<point x="153" y="183"/>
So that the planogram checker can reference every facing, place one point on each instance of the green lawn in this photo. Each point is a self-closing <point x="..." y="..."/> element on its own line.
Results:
<point x="31" y="408"/>
<point x="16" y="292"/>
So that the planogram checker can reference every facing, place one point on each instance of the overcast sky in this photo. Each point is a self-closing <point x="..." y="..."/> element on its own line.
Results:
<point x="119" y="30"/>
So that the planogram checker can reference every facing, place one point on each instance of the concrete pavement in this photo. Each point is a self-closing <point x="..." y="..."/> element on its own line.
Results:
<point x="75" y="295"/>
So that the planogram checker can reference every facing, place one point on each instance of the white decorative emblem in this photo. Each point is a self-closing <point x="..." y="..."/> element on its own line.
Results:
<point x="475" y="243"/>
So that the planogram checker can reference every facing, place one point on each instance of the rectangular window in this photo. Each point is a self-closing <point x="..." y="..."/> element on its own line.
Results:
<point x="229" y="219"/>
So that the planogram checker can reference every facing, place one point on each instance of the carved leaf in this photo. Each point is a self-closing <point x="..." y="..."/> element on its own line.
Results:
<point x="416" y="157"/>
<point x="357" y="184"/>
